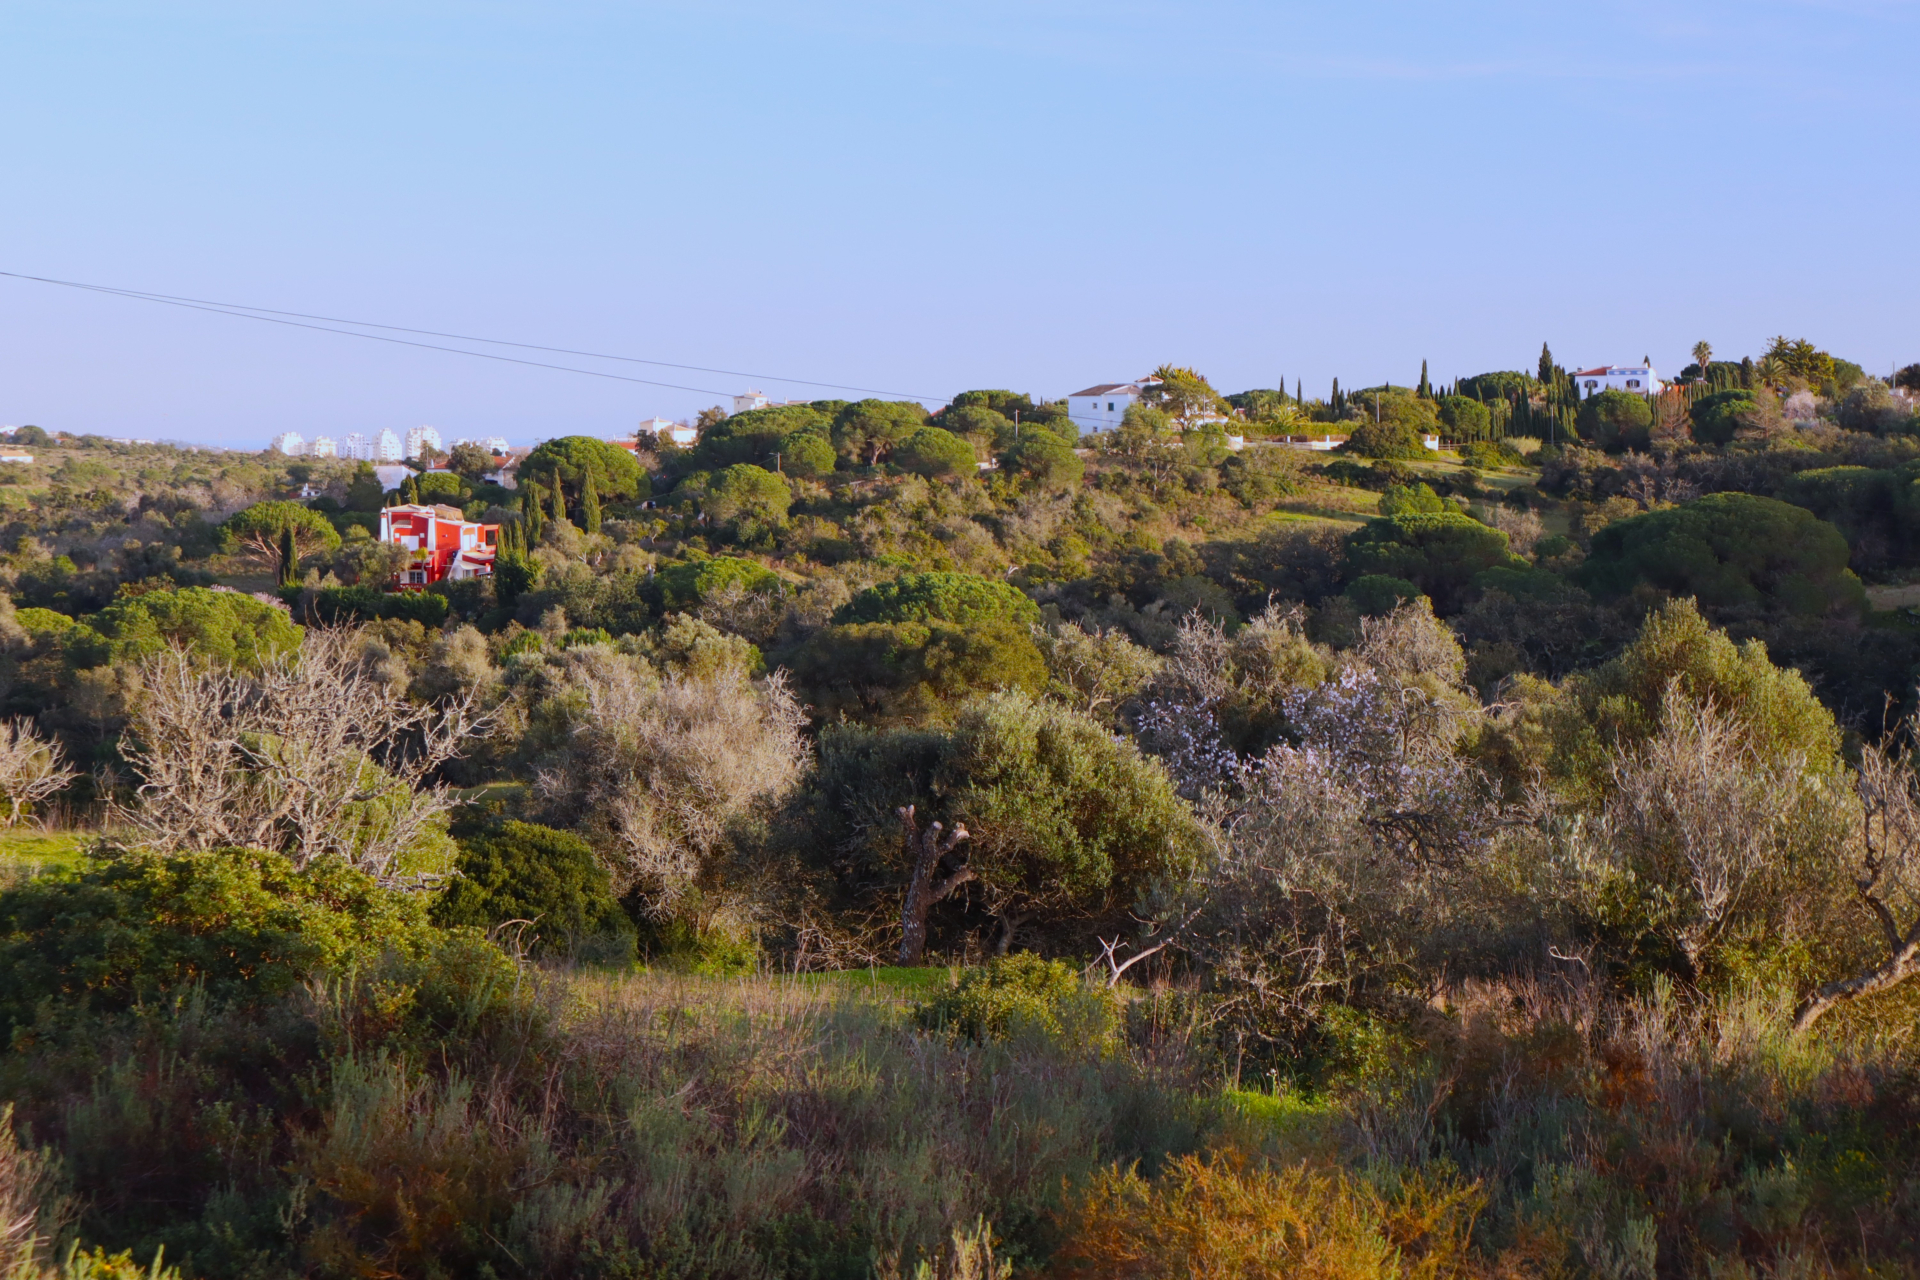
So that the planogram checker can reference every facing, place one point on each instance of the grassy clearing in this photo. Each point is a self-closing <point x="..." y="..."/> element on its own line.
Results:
<point x="26" y="852"/>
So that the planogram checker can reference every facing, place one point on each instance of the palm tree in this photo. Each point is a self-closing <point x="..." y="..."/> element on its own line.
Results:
<point x="1703" y="355"/>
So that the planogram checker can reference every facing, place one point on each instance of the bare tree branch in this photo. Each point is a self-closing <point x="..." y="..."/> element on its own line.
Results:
<point x="314" y="756"/>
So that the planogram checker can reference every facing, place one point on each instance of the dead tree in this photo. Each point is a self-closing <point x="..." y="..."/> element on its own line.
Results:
<point x="1887" y="878"/>
<point x="314" y="755"/>
<point x="31" y="768"/>
<point x="929" y="851"/>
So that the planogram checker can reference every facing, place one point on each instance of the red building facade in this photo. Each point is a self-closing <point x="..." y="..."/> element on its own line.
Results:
<point x="446" y="546"/>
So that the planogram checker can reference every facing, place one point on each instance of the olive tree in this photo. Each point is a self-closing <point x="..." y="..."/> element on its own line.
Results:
<point x="663" y="773"/>
<point x="1885" y="873"/>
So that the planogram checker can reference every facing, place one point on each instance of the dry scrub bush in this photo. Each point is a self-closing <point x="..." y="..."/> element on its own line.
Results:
<point x="1222" y="1217"/>
<point x="673" y="1126"/>
<point x="665" y="772"/>
<point x="315" y="755"/>
<point x="1663" y="1135"/>
<point x="24" y="1183"/>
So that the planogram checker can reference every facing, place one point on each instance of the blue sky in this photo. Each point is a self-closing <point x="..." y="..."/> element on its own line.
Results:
<point x="928" y="197"/>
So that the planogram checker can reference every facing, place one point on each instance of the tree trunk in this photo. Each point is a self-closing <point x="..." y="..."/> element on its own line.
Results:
<point x="927" y="849"/>
<point x="1009" y="925"/>
<point x="1902" y="964"/>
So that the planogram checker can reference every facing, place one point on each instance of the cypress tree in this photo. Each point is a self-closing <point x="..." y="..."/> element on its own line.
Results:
<point x="1425" y="391"/>
<point x="289" y="557"/>
<point x="1298" y="397"/>
<point x="589" y="504"/>
<point x="1546" y="365"/>
<point x="559" y="511"/>
<point x="531" y="512"/>
<point x="512" y="570"/>
<point x="410" y="491"/>
<point x="1335" y="400"/>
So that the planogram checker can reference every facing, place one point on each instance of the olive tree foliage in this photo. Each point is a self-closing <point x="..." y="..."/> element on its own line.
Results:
<point x="32" y="767"/>
<point x="1711" y="834"/>
<point x="1340" y="843"/>
<point x="315" y="754"/>
<point x="1094" y="670"/>
<point x="664" y="774"/>
<point x="1884" y="867"/>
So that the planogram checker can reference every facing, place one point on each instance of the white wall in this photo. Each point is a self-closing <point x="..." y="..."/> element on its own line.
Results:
<point x="1099" y="413"/>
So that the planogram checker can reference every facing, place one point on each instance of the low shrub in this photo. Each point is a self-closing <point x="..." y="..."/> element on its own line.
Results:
<point x="239" y="923"/>
<point x="522" y="871"/>
<point x="1221" y="1217"/>
<point x="1023" y="994"/>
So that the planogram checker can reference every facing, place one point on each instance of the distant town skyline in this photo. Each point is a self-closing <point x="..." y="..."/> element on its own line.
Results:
<point x="1044" y="197"/>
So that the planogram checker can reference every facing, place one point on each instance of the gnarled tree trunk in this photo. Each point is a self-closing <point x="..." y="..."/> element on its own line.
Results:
<point x="928" y="850"/>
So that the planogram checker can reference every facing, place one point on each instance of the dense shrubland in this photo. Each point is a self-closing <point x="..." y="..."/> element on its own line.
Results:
<point x="814" y="854"/>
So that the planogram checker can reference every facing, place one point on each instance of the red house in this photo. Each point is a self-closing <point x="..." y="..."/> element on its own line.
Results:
<point x="446" y="545"/>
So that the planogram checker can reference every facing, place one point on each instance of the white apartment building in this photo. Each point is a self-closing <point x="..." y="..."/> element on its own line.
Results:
<point x="1100" y="408"/>
<point x="290" y="443"/>
<point x="385" y="447"/>
<point x="492" y="444"/>
<point x="420" y="439"/>
<point x="1640" y="379"/>
<point x="323" y="447"/>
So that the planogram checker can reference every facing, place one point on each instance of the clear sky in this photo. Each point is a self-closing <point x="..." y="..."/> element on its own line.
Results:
<point x="926" y="197"/>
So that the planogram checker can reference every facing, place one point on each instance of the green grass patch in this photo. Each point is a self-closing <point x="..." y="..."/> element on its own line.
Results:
<point x="901" y="980"/>
<point x="26" y="852"/>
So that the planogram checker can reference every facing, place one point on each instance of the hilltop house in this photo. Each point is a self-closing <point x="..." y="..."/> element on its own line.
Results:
<point x="1100" y="408"/>
<point x="1639" y="379"/>
<point x="446" y="547"/>
<point x="665" y="429"/>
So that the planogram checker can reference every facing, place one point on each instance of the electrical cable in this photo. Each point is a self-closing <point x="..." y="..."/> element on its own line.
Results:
<point x="269" y="315"/>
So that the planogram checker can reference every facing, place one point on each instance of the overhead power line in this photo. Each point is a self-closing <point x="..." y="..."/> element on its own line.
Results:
<point x="298" y="319"/>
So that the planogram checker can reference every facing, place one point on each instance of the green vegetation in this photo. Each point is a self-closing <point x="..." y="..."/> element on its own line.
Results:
<point x="870" y="840"/>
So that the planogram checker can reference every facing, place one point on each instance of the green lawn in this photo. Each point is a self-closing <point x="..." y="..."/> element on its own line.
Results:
<point x="26" y="852"/>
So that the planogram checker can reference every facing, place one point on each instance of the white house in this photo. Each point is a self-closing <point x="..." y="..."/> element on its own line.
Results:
<point x="1640" y="379"/>
<point x="1100" y="408"/>
<point x="667" y="429"/>
<point x="420" y="439"/>
<point x="751" y="400"/>
<point x="289" y="443"/>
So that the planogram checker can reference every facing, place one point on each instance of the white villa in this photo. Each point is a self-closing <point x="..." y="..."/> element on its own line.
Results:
<point x="1100" y="408"/>
<point x="667" y="429"/>
<point x="1639" y="379"/>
